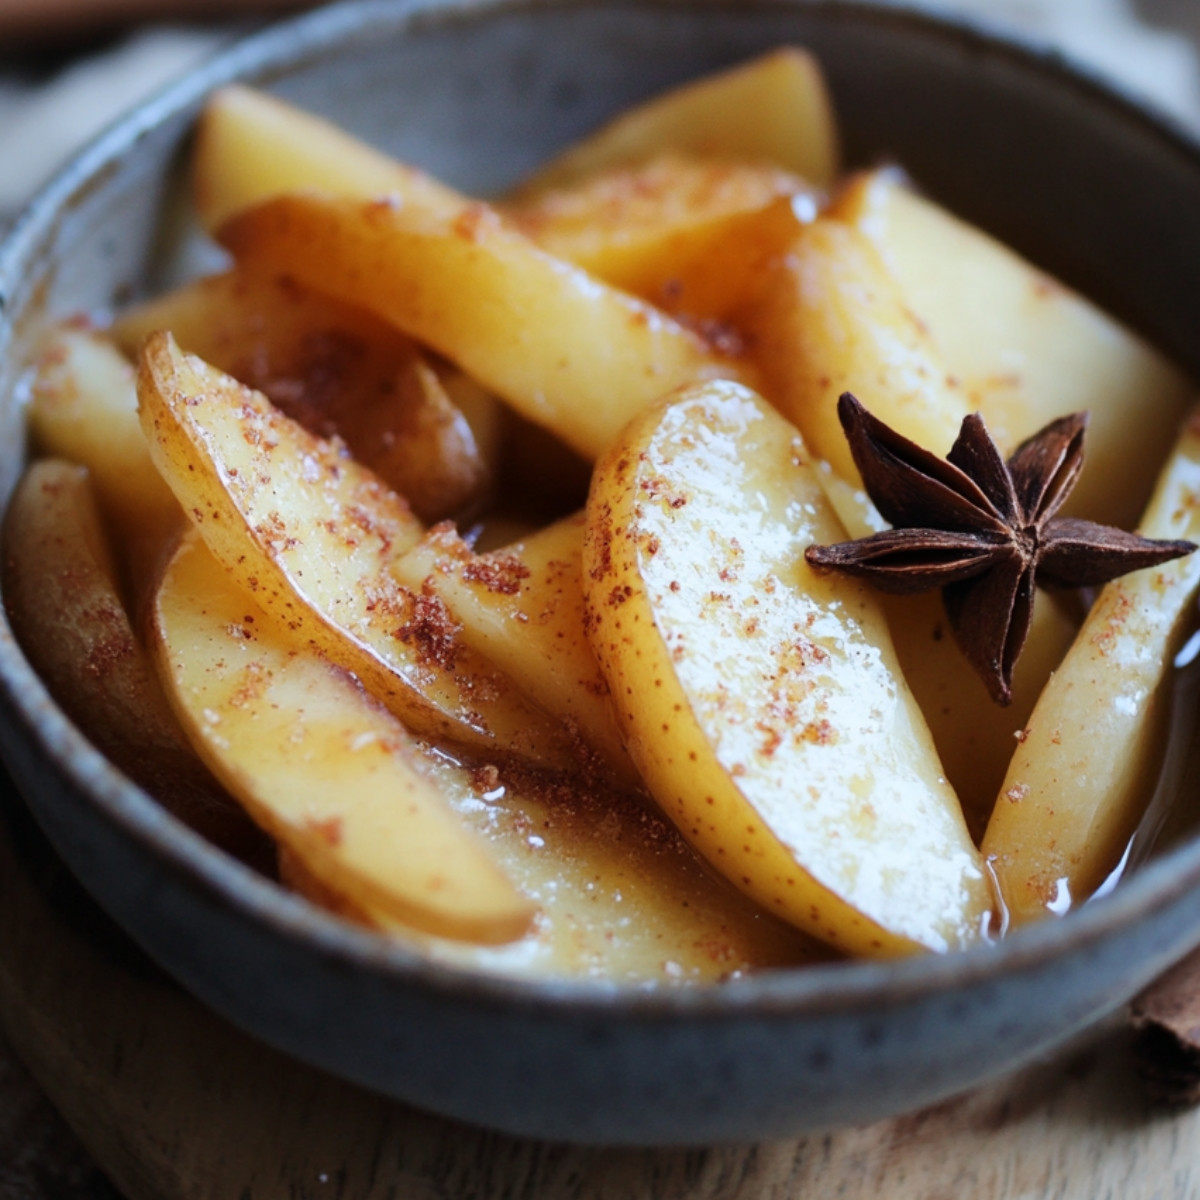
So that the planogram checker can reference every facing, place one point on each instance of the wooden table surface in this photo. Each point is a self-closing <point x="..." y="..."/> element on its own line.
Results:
<point x="174" y="1104"/>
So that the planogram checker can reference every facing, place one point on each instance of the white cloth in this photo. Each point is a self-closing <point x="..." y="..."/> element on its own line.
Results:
<point x="41" y="125"/>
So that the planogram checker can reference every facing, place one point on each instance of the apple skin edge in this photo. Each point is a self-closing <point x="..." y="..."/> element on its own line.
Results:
<point x="762" y="702"/>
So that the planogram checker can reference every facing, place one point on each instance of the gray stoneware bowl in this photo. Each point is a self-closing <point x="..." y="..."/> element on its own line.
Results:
<point x="1081" y="180"/>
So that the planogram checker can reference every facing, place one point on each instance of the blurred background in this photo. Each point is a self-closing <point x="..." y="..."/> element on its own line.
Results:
<point x="67" y="67"/>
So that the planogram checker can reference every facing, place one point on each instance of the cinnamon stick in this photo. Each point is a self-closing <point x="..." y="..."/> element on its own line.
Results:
<point x="1166" y="1020"/>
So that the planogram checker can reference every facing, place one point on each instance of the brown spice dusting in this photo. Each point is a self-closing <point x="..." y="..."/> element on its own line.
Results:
<point x="430" y="630"/>
<point x="820" y="733"/>
<point x="485" y="778"/>
<point x="602" y="539"/>
<point x="107" y="653"/>
<point x="330" y="830"/>
<point x="500" y="574"/>
<point x="475" y="221"/>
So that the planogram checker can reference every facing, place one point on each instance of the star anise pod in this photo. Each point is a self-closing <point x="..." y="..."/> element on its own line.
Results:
<point x="982" y="530"/>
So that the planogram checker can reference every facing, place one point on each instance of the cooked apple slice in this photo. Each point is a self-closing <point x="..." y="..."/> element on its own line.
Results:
<point x="621" y="896"/>
<point x="1025" y="348"/>
<point x="763" y="702"/>
<point x="975" y="737"/>
<point x="563" y="349"/>
<point x="61" y="594"/>
<point x="1084" y="769"/>
<point x="84" y="409"/>
<point x="336" y="369"/>
<point x="311" y="534"/>
<point x="649" y="227"/>
<point x="522" y="607"/>
<point x="251" y="146"/>
<point x="830" y="319"/>
<point x="317" y="763"/>
<point x="774" y="109"/>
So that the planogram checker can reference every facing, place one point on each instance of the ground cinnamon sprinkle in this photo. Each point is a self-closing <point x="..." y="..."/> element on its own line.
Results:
<point x="329" y="830"/>
<point x="430" y="630"/>
<point x="108" y="652"/>
<point x="485" y="778"/>
<point x="500" y="574"/>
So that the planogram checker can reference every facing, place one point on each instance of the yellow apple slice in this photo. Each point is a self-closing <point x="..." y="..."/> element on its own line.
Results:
<point x="1084" y="769"/>
<point x="622" y="899"/>
<point x="774" y="109"/>
<point x="311" y="534"/>
<point x="337" y="370"/>
<point x="1025" y="348"/>
<point x="84" y="409"/>
<point x="648" y="228"/>
<point x="251" y="146"/>
<point x="522" y="607"/>
<point x="762" y="701"/>
<point x="317" y="763"/>
<point x="975" y="737"/>
<point x="61" y="593"/>
<point x="829" y="319"/>
<point x="563" y="349"/>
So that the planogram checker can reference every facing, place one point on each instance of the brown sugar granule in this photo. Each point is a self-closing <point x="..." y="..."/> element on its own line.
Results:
<point x="431" y="630"/>
<point x="108" y="653"/>
<point x="330" y="829"/>
<point x="485" y="778"/>
<point x="501" y="574"/>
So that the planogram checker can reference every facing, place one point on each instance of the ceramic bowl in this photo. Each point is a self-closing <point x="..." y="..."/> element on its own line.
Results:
<point x="1080" y="179"/>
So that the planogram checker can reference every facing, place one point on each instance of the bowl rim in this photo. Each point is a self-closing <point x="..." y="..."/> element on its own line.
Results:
<point x="262" y="58"/>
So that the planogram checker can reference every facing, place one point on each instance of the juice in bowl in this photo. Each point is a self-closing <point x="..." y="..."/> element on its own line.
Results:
<point x="465" y="510"/>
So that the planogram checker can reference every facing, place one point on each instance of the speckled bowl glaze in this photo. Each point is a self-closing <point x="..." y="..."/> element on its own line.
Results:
<point x="1080" y="179"/>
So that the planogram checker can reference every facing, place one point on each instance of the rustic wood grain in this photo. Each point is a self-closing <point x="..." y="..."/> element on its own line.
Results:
<point x="40" y="1158"/>
<point x="174" y="1104"/>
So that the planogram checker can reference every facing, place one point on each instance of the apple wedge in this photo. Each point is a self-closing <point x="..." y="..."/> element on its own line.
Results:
<point x="621" y="898"/>
<point x="84" y="409"/>
<point x="975" y="737"/>
<point x="311" y="534"/>
<point x="522" y="607"/>
<point x="762" y="701"/>
<point x="773" y="109"/>
<point x="62" y="599"/>
<point x="1084" y="768"/>
<point x="321" y="766"/>
<point x="648" y="228"/>
<point x="1025" y="348"/>
<point x="251" y="146"/>
<point x="828" y="318"/>
<point x="563" y="349"/>
<point x="337" y="370"/>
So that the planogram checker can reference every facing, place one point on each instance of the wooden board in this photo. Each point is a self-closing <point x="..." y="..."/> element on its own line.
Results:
<point x="175" y="1104"/>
